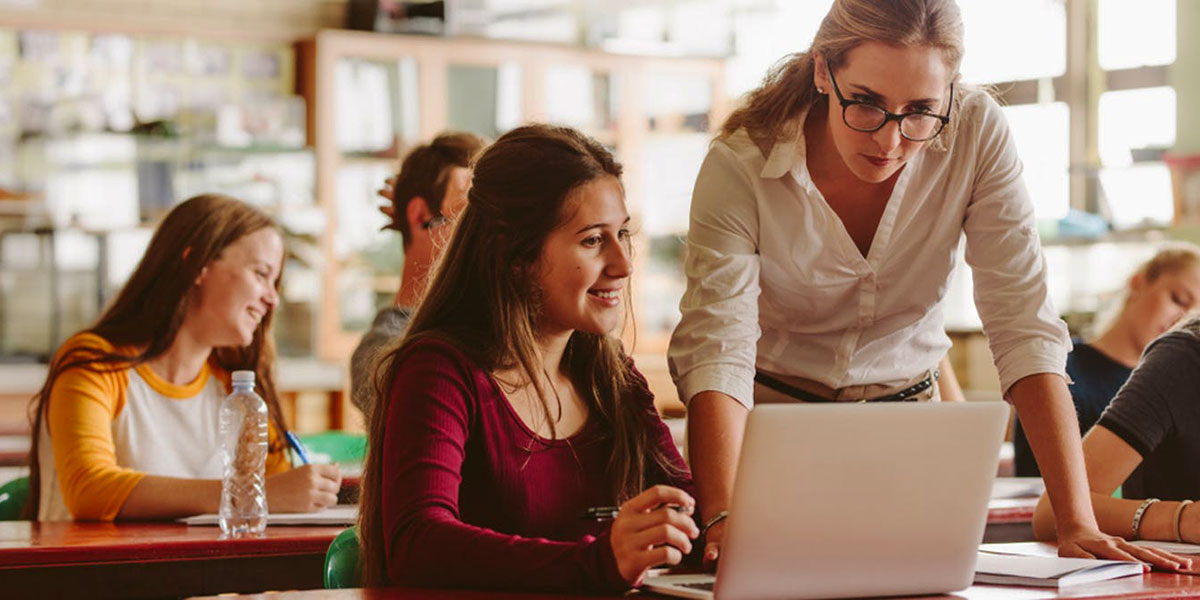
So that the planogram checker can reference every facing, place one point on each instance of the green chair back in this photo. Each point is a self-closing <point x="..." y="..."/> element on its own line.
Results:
<point x="13" y="497"/>
<point x="340" y="446"/>
<point x="341" y="561"/>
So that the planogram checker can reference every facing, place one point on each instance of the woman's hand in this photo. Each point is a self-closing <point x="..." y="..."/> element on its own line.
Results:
<point x="653" y="528"/>
<point x="304" y="489"/>
<point x="1094" y="544"/>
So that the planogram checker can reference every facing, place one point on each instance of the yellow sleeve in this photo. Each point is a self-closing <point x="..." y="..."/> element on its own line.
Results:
<point x="82" y="405"/>
<point x="277" y="459"/>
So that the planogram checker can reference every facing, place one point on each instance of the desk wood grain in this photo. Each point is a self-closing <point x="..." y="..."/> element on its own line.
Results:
<point x="151" y="560"/>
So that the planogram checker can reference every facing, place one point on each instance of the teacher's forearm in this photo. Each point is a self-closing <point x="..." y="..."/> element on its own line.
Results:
<point x="716" y="423"/>
<point x="1048" y="417"/>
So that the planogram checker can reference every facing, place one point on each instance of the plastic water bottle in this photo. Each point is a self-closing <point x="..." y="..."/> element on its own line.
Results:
<point x="243" y="430"/>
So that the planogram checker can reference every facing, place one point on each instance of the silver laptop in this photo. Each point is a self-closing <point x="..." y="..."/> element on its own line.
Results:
<point x="850" y="500"/>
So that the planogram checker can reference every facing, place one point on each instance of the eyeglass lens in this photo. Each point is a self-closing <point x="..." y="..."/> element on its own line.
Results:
<point x="915" y="126"/>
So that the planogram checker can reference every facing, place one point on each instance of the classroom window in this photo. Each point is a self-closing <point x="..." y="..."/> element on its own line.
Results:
<point x="1042" y="135"/>
<point x="1135" y="125"/>
<point x="991" y="54"/>
<point x="1133" y="34"/>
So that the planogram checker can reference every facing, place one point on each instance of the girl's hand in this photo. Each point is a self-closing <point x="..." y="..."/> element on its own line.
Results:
<point x="1094" y="544"/>
<point x="653" y="528"/>
<point x="308" y="488"/>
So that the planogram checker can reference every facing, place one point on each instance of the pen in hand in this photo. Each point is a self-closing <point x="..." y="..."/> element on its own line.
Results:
<point x="608" y="513"/>
<point x="294" y="442"/>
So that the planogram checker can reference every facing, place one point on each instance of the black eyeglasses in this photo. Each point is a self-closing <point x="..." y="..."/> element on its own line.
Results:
<point x="866" y="117"/>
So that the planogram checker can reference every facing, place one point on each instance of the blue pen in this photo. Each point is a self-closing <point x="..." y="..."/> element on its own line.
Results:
<point x="294" y="442"/>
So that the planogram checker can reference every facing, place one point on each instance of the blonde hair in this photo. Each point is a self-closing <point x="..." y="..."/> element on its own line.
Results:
<point x="1171" y="258"/>
<point x="770" y="112"/>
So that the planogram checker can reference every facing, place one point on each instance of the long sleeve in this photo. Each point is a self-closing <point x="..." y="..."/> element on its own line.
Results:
<point x="430" y="417"/>
<point x="714" y="346"/>
<point x="1011" y="291"/>
<point x="82" y="406"/>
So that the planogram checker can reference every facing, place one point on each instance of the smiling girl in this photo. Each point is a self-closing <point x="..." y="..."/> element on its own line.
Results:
<point x="825" y="225"/>
<point x="512" y="408"/>
<point x="125" y="426"/>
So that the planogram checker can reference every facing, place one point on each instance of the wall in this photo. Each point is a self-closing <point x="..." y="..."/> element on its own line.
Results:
<point x="1185" y="76"/>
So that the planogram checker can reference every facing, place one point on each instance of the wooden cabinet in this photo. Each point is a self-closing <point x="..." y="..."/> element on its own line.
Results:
<point x="373" y="96"/>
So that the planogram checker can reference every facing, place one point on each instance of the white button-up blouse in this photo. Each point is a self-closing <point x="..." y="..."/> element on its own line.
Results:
<point x="775" y="282"/>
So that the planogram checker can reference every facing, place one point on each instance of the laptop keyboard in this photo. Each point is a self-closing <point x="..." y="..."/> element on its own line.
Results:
<point x="702" y="585"/>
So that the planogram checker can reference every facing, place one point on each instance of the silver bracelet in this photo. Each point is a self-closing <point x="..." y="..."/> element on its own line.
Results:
<point x="713" y="521"/>
<point x="1137" y="516"/>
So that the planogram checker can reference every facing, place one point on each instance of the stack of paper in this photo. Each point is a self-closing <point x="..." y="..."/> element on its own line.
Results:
<point x="1048" y="571"/>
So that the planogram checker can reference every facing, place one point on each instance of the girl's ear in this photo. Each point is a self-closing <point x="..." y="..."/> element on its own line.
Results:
<point x="417" y="213"/>
<point x="1137" y="282"/>
<point x="203" y="273"/>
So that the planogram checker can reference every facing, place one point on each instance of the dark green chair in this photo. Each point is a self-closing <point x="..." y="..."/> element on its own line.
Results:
<point x="13" y="497"/>
<point x="341" y="561"/>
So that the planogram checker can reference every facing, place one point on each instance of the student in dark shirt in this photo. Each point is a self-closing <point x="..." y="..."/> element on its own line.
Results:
<point x="1160" y="293"/>
<point x="1148" y="439"/>
<point x="512" y="407"/>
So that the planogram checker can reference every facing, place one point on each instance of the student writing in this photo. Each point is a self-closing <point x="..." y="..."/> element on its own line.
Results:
<point x="511" y="408"/>
<point x="125" y="426"/>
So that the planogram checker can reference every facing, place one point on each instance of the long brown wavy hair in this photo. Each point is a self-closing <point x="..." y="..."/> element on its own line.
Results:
<point x="771" y="112"/>
<point x="148" y="311"/>
<point x="482" y="299"/>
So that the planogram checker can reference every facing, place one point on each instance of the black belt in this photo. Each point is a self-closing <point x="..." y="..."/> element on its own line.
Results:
<point x="905" y="395"/>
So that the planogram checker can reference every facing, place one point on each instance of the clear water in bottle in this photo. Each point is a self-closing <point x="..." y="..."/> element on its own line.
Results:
<point x="243" y="430"/>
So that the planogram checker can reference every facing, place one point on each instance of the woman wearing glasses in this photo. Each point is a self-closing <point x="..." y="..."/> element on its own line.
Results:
<point x="824" y="229"/>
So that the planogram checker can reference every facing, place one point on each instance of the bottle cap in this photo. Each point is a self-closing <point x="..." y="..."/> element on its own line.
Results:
<point x="243" y="377"/>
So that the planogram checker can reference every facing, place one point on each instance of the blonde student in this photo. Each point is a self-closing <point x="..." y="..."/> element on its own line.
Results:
<point x="825" y="225"/>
<point x="125" y="426"/>
<point x="1160" y="293"/>
<point x="517" y="447"/>
<point x="1148" y="442"/>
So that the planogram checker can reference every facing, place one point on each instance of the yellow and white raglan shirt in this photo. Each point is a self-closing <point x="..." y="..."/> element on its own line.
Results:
<point x="105" y="430"/>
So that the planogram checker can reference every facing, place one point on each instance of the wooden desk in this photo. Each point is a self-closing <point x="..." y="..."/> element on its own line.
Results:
<point x="1010" y="520"/>
<point x="143" y="560"/>
<point x="1153" y="586"/>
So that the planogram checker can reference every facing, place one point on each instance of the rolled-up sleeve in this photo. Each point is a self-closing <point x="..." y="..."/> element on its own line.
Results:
<point x="1024" y="331"/>
<point x="713" y="347"/>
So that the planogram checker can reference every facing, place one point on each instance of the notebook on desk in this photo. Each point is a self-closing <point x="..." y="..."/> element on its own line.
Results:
<point x="334" y="515"/>
<point x="850" y="500"/>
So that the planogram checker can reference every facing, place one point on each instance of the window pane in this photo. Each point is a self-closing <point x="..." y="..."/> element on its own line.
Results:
<point x="1131" y="120"/>
<point x="1042" y="136"/>
<point x="1133" y="34"/>
<point x="1138" y="195"/>
<point x="992" y="55"/>
<point x="484" y="100"/>
<point x="580" y="97"/>
<point x="763" y="37"/>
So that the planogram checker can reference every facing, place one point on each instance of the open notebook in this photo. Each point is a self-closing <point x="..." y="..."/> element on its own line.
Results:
<point x="335" y="515"/>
